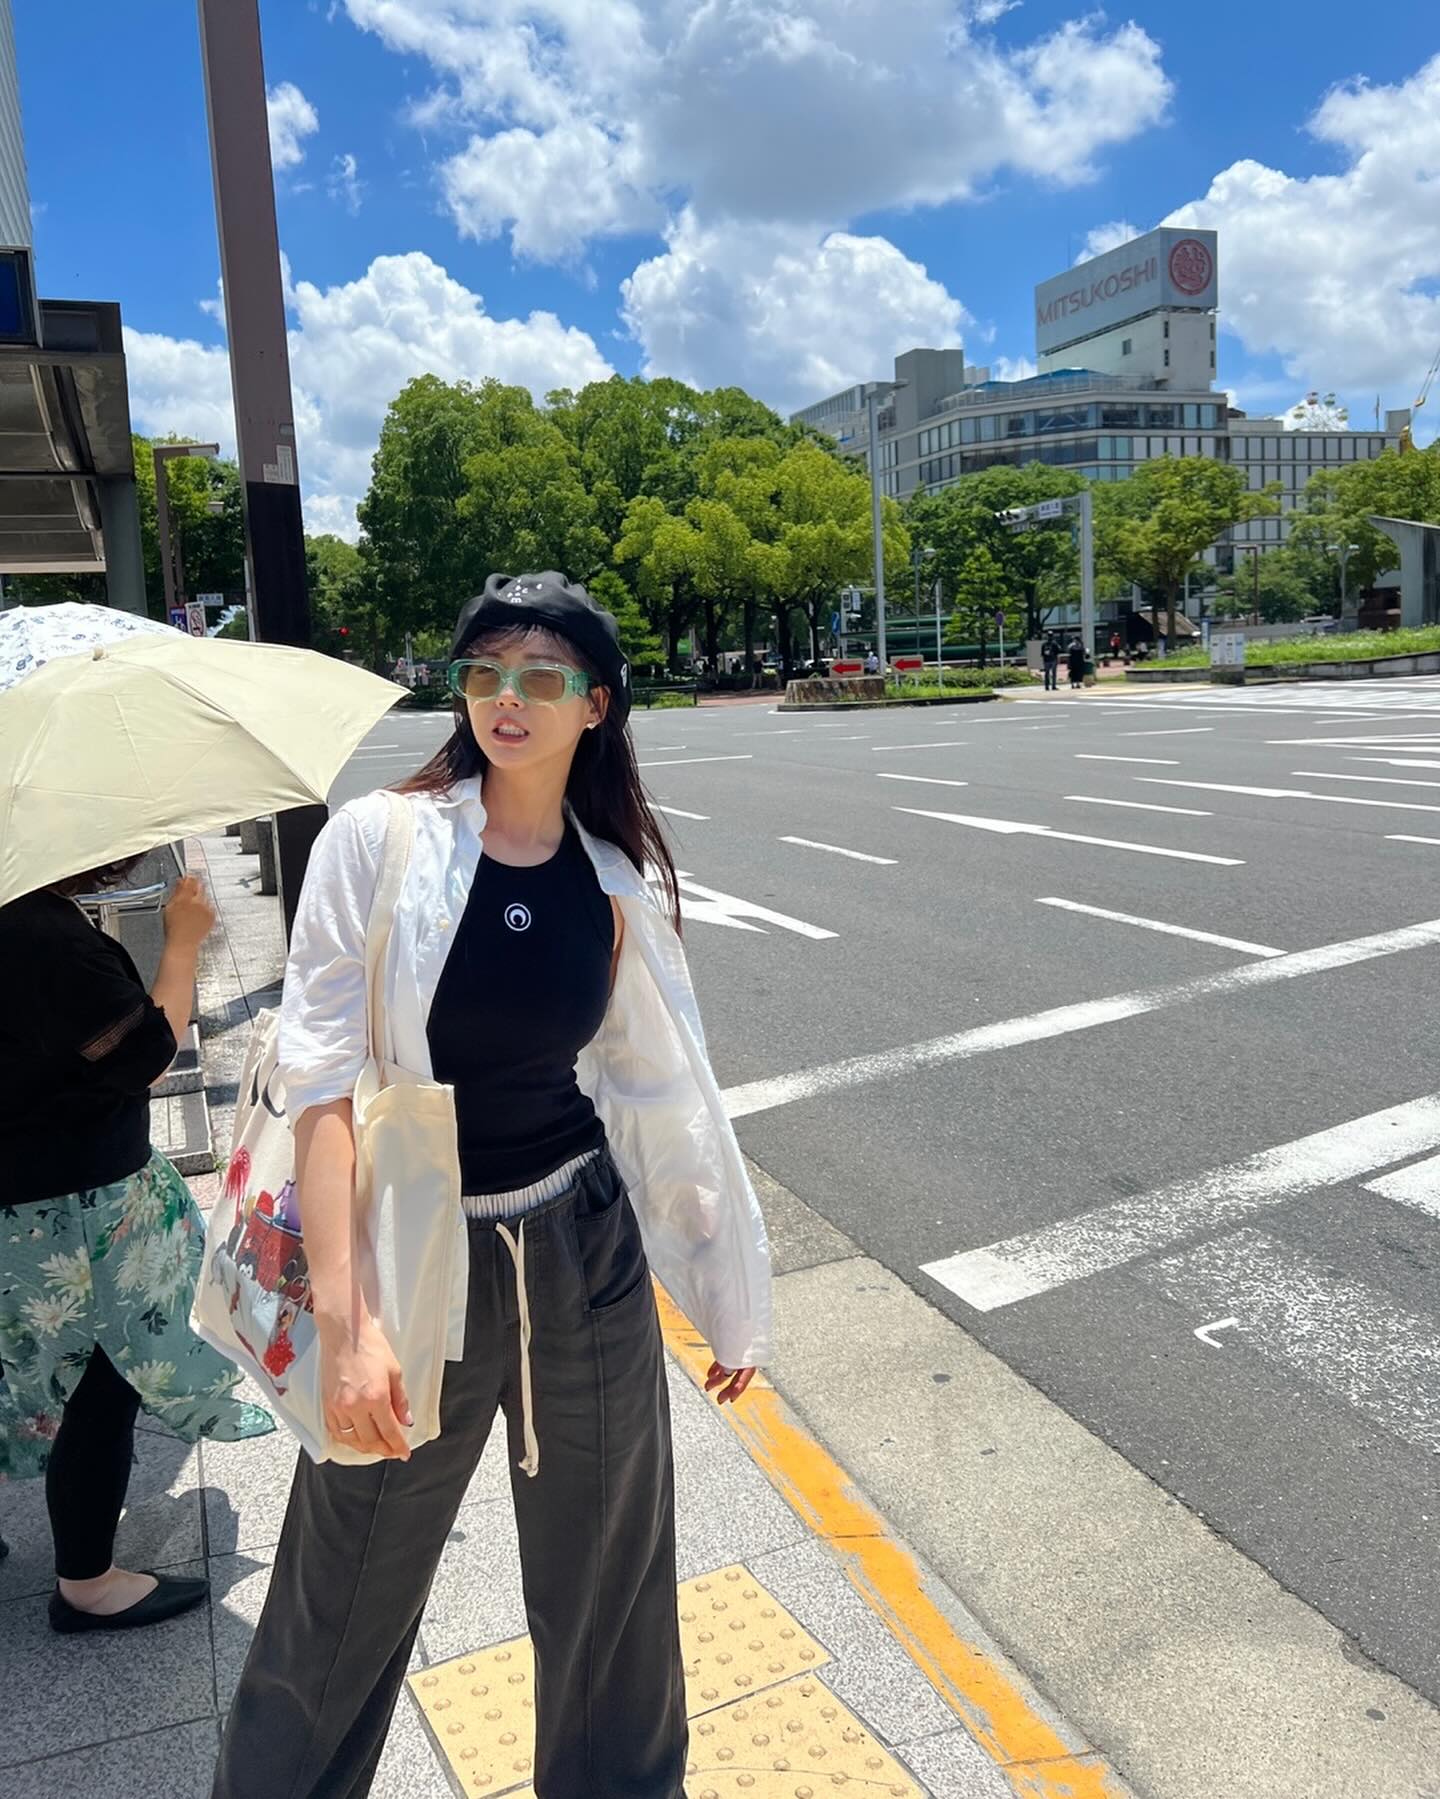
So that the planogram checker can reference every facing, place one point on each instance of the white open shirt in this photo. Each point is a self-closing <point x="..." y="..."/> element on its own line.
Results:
<point x="646" y="1070"/>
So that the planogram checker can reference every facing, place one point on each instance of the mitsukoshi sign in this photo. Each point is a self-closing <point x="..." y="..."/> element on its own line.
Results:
<point x="1168" y="267"/>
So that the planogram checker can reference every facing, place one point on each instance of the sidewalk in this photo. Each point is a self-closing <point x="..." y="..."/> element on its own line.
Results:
<point x="819" y="1653"/>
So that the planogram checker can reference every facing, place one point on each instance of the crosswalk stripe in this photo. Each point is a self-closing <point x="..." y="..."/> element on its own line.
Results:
<point x="1418" y="1186"/>
<point x="1064" y="1021"/>
<point x="1344" y="1335"/>
<point x="1112" y="1235"/>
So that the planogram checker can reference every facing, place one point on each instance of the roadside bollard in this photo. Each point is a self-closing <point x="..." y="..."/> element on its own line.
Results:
<point x="266" y="837"/>
<point x="249" y="837"/>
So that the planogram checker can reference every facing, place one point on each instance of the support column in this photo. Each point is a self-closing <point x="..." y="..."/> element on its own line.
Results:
<point x="259" y="362"/>
<point x="124" y="557"/>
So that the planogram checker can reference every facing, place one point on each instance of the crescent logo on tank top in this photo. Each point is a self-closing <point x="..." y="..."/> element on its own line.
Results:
<point x="518" y="917"/>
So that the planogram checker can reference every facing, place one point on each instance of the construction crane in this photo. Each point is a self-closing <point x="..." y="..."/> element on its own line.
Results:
<point x="1407" y="441"/>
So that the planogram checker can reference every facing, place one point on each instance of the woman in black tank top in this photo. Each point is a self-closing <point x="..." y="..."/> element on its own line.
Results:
<point x="562" y="1331"/>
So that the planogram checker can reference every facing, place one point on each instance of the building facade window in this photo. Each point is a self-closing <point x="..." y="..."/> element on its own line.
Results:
<point x="1167" y="359"/>
<point x="1125" y="346"/>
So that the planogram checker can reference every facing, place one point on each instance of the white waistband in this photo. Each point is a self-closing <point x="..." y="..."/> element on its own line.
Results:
<point x="524" y="1199"/>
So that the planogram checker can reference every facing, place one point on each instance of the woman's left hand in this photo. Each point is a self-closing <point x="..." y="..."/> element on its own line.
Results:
<point x="732" y="1382"/>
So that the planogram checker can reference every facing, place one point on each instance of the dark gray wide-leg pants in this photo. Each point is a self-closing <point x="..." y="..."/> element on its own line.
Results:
<point x="360" y="1546"/>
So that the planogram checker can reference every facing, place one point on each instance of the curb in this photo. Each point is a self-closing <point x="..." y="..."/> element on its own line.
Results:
<point x="959" y="699"/>
<point x="1026" y="1741"/>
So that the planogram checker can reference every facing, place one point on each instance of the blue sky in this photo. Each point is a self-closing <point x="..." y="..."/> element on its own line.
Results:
<point x="779" y="195"/>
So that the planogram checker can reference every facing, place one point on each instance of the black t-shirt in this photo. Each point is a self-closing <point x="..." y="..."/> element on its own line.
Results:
<point x="80" y="1042"/>
<point x="524" y="989"/>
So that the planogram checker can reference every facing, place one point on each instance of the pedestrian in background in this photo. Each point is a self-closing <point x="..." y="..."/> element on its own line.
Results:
<point x="534" y="969"/>
<point x="872" y="663"/>
<point x="100" y="1240"/>
<point x="1075" y="662"/>
<point x="1050" y="661"/>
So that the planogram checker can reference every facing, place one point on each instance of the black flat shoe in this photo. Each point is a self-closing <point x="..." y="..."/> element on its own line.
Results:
<point x="169" y="1599"/>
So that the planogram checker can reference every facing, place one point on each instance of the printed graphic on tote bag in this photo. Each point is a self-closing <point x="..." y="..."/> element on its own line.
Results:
<point x="262" y="1269"/>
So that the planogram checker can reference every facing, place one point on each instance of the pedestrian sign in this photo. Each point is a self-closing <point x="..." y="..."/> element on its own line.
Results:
<point x="177" y="618"/>
<point x="195" y="618"/>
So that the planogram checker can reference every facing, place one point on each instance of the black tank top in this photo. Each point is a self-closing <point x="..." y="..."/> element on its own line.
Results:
<point x="523" y="990"/>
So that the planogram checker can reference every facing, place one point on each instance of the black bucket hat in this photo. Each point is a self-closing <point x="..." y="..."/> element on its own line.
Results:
<point x="549" y="602"/>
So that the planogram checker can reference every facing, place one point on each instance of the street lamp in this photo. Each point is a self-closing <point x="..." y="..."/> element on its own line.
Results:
<point x="873" y="391"/>
<point x="1253" y="550"/>
<point x="172" y="567"/>
<point x="1343" y="552"/>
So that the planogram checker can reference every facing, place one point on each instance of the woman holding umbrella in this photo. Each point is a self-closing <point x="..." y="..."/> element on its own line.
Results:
<point x="534" y="967"/>
<point x="100" y="1239"/>
<point x="118" y="734"/>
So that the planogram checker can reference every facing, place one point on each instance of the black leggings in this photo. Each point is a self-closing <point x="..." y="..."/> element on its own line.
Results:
<point x="89" y="1469"/>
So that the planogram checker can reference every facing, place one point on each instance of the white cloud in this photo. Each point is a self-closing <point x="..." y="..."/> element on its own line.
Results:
<point x="352" y="348"/>
<point x="345" y="184"/>
<point x="1101" y="238"/>
<point x="292" y="119"/>
<point x="593" y="117"/>
<point x="790" y="314"/>
<point x="1013" y="368"/>
<point x="1337" y="274"/>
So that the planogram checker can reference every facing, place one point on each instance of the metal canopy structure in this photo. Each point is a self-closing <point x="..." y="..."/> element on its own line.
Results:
<point x="64" y="438"/>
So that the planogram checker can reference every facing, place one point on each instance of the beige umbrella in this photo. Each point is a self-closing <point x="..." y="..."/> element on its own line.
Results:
<point x="125" y="745"/>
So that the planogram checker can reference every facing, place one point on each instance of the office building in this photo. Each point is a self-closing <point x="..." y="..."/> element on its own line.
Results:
<point x="1126" y="351"/>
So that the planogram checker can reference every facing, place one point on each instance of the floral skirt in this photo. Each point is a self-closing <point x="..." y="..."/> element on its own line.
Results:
<point x="115" y="1267"/>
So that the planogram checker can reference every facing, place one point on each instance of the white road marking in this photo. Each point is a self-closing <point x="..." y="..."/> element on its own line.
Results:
<point x="1093" y="799"/>
<point x="1172" y="731"/>
<point x="1345" y="1335"/>
<point x="1289" y="793"/>
<point x="925" y="780"/>
<point x="775" y="731"/>
<point x="685" y="760"/>
<point x="1064" y="1021"/>
<point x="1150" y="761"/>
<point x="1317" y="774"/>
<point x="881" y="749"/>
<point x="734" y="908"/>
<point x="858" y="738"/>
<point x="1110" y="1236"/>
<point x="1400" y="837"/>
<point x="1168" y="930"/>
<point x="835" y="850"/>
<point x="1393" y="762"/>
<point x="675" y="812"/>
<point x="1009" y="828"/>
<point x="1220" y="1324"/>
<point x="1415" y="740"/>
<point x="1418" y="1186"/>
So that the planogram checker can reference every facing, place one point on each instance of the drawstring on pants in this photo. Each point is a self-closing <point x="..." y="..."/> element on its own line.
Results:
<point x="516" y="1245"/>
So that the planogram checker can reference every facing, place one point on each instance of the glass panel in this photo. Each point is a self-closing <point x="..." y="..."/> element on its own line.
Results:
<point x="1192" y="416"/>
<point x="987" y="428"/>
<point x="1209" y="416"/>
<point x="1120" y="415"/>
<point x="967" y="431"/>
<point x="1192" y="444"/>
<point x="1347" y="449"/>
<point x="1287" y="447"/>
<point x="1122" y="446"/>
<point x="1174" y="446"/>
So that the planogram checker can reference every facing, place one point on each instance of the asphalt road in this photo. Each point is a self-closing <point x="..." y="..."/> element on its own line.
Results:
<point x="1190" y="1189"/>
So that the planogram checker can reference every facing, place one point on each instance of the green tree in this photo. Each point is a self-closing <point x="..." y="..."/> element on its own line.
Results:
<point x="1153" y="529"/>
<point x="1338" y="505"/>
<point x="641" y="645"/>
<point x="982" y="589"/>
<point x="1280" y="579"/>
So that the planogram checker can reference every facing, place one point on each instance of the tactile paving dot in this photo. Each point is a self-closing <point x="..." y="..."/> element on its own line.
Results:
<point x="737" y="1641"/>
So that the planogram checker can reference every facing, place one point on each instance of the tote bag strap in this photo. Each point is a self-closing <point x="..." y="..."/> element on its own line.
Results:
<point x="399" y="834"/>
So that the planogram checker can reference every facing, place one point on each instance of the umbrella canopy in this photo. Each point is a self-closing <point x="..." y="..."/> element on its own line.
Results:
<point x="31" y="636"/>
<point x="109" y="750"/>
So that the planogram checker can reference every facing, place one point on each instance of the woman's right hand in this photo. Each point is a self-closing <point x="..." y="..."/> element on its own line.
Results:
<point x="189" y="915"/>
<point x="364" y="1393"/>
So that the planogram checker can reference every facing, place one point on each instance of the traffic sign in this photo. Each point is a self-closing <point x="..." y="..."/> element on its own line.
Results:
<point x="847" y="668"/>
<point x="210" y="599"/>
<point x="177" y="618"/>
<point x="195" y="618"/>
<point x="1050" y="509"/>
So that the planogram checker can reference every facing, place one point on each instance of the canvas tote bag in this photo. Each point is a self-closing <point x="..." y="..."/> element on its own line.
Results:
<point x="253" y="1301"/>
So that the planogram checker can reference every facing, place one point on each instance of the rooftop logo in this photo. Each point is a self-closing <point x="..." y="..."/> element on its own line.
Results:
<point x="1192" y="268"/>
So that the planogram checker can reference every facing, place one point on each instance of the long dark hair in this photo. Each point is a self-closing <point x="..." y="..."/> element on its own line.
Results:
<point x="96" y="880"/>
<point x="604" y="789"/>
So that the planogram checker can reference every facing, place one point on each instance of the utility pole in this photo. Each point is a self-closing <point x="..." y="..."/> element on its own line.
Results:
<point x="234" y="69"/>
<point x="872" y="398"/>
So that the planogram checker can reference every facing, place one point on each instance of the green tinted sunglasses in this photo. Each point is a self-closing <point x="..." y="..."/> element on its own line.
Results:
<point x="541" y="683"/>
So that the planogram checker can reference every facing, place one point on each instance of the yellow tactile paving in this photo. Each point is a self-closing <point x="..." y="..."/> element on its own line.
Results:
<point x="737" y="1641"/>
<point x="795" y="1741"/>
